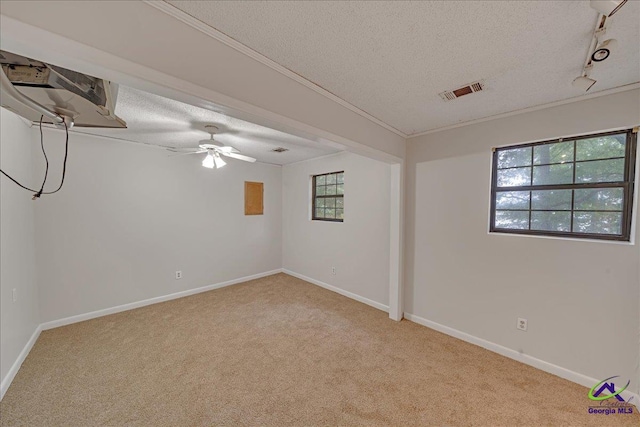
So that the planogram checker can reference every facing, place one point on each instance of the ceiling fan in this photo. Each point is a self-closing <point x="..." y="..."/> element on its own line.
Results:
<point x="214" y="151"/>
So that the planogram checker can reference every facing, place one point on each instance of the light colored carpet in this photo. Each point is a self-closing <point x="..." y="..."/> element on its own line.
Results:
<point x="279" y="351"/>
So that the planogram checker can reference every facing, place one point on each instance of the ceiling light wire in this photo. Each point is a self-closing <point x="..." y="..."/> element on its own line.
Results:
<point x="38" y="193"/>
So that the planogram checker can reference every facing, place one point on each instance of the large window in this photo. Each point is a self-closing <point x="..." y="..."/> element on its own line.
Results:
<point x="328" y="197"/>
<point x="576" y="187"/>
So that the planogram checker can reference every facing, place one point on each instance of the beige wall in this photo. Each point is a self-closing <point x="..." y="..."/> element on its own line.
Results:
<point x="581" y="298"/>
<point x="358" y="247"/>
<point x="129" y="216"/>
<point x="19" y="319"/>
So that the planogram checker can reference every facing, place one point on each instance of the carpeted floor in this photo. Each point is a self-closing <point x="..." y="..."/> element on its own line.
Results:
<point x="279" y="351"/>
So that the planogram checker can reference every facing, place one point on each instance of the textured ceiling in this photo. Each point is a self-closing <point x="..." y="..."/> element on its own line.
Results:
<point x="156" y="120"/>
<point x="391" y="59"/>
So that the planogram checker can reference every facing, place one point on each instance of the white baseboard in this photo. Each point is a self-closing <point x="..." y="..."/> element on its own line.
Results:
<point x="130" y="306"/>
<point x="496" y="348"/>
<point x="6" y="381"/>
<point x="335" y="289"/>
<point x="523" y="358"/>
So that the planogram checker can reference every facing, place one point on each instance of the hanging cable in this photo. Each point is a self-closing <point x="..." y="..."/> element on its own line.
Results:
<point x="64" y="162"/>
<point x="38" y="193"/>
<point x="46" y="159"/>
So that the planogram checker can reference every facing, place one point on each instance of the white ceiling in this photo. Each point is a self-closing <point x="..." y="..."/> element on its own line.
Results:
<point x="391" y="59"/>
<point x="155" y="120"/>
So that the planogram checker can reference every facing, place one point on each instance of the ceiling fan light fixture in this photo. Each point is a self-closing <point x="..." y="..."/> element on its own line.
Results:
<point x="607" y="7"/>
<point x="214" y="151"/>
<point x="208" y="161"/>
<point x="218" y="161"/>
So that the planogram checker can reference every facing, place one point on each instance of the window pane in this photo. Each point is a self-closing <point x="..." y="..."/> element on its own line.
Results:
<point x="559" y="200"/>
<point x="512" y="200"/>
<point x="328" y="203"/>
<point x="553" y="153"/>
<point x="512" y="219"/>
<point x="514" y="177"/>
<point x="554" y="174"/>
<point x="599" y="199"/>
<point x="602" y="147"/>
<point x="597" y="222"/>
<point x="600" y="171"/>
<point x="576" y="186"/>
<point x="551" y="221"/>
<point x="514" y="157"/>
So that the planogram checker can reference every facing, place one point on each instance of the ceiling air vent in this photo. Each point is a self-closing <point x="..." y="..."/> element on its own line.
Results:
<point x="462" y="91"/>
<point x="280" y="150"/>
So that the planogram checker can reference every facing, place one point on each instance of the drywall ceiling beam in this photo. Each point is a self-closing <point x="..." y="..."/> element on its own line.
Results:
<point x="134" y="40"/>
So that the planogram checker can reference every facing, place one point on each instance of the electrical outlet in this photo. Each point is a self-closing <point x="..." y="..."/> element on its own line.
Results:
<point x="333" y="271"/>
<point x="14" y="294"/>
<point x="522" y="324"/>
<point x="178" y="275"/>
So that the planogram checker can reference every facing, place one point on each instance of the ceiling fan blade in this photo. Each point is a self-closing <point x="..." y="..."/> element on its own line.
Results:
<point x="218" y="147"/>
<point x="182" y="149"/>
<point x="190" y="152"/>
<point x="238" y="156"/>
<point x="228" y="149"/>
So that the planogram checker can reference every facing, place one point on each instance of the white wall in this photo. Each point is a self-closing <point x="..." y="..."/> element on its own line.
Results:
<point x="358" y="247"/>
<point x="129" y="216"/>
<point x="18" y="320"/>
<point x="581" y="298"/>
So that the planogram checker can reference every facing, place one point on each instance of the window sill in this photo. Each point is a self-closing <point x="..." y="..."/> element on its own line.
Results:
<point x="574" y="239"/>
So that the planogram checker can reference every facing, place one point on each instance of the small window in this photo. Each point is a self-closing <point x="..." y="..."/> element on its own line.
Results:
<point x="571" y="187"/>
<point x="328" y="197"/>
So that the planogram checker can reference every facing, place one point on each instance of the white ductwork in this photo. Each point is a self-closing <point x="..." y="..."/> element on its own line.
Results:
<point x="33" y="89"/>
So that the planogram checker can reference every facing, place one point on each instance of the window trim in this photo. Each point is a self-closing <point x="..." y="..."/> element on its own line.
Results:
<point x="313" y="198"/>
<point x="627" y="185"/>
